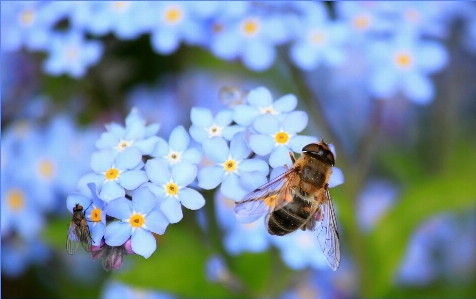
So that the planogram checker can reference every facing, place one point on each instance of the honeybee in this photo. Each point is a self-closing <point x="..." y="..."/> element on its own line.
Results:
<point x="299" y="198"/>
<point x="78" y="231"/>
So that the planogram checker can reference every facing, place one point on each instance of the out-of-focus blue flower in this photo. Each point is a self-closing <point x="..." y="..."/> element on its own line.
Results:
<point x="170" y="186"/>
<point x="69" y="53"/>
<point x="138" y="219"/>
<point x="404" y="64"/>
<point x="362" y="18"/>
<point x="374" y="201"/>
<point x="217" y="271"/>
<point x="205" y="126"/>
<point x="231" y="164"/>
<point x="300" y="249"/>
<point x="114" y="290"/>
<point x="176" y="150"/>
<point x="114" y="173"/>
<point x="173" y="22"/>
<point x="260" y="101"/>
<point x="278" y="136"/>
<point x="134" y="136"/>
<point x="18" y="254"/>
<point x="94" y="209"/>
<point x="319" y="40"/>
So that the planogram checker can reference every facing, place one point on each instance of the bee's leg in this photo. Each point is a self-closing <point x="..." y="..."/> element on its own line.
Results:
<point x="292" y="157"/>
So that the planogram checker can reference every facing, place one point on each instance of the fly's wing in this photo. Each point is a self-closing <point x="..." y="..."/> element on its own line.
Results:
<point x="84" y="235"/>
<point x="271" y="196"/>
<point x="324" y="225"/>
<point x="73" y="240"/>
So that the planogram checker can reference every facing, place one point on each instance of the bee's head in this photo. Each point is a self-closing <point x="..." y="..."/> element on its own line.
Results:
<point x="77" y="207"/>
<point x="320" y="151"/>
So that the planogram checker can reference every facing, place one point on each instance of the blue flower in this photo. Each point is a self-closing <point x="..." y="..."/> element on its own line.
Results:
<point x="279" y="137"/>
<point x="94" y="209"/>
<point x="18" y="254"/>
<point x="70" y="53"/>
<point x="260" y="101"/>
<point x="205" y="126"/>
<point x="176" y="150"/>
<point x="139" y="218"/>
<point x="113" y="174"/>
<point x="115" y="289"/>
<point x="230" y="164"/>
<point x="404" y="64"/>
<point x="135" y="135"/>
<point x="170" y="187"/>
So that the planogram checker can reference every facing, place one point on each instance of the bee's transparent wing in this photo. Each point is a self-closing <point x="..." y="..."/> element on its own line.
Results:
<point x="271" y="196"/>
<point x="324" y="224"/>
<point x="72" y="240"/>
<point x="84" y="236"/>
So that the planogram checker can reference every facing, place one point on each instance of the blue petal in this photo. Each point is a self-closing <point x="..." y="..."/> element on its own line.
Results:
<point x="107" y="141"/>
<point x="383" y="83"/>
<point x="157" y="171"/>
<point x="179" y="139"/>
<point x="297" y="142"/>
<point x="165" y="41"/>
<point x="245" y="115"/>
<point x="304" y="56"/>
<point x="285" y="103"/>
<point x="249" y="181"/>
<point x="254" y="165"/>
<point x="280" y="157"/>
<point x="231" y="188"/>
<point x="74" y="198"/>
<point x="191" y="199"/>
<point x="201" y="117"/>
<point x="97" y="232"/>
<point x="143" y="200"/>
<point x="183" y="173"/>
<point x="135" y="130"/>
<point x="143" y="242"/>
<point x="111" y="190"/>
<point x="266" y="124"/>
<point x="418" y="88"/>
<point x="260" y="97"/>
<point x="146" y="146"/>
<point x="295" y="122"/>
<point x="132" y="179"/>
<point x="172" y="209"/>
<point x="116" y="129"/>
<point x="216" y="149"/>
<point x="337" y="177"/>
<point x="159" y="191"/>
<point x="120" y="208"/>
<point x="152" y="129"/>
<point x="198" y="133"/>
<point x="102" y="160"/>
<point x="192" y="155"/>
<point x="161" y="150"/>
<point x="156" y="221"/>
<point x="261" y="144"/>
<point x="128" y="158"/>
<point x="83" y="182"/>
<point x="211" y="176"/>
<point x="230" y="131"/>
<point x="117" y="233"/>
<point x="224" y="117"/>
<point x="239" y="150"/>
<point x="258" y="55"/>
<point x="431" y="57"/>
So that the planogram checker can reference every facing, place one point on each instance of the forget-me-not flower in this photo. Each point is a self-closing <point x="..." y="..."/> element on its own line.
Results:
<point x="170" y="186"/>
<point x="139" y="218"/>
<point x="205" y="126"/>
<point x="279" y="136"/>
<point x="230" y="164"/>
<point x="114" y="174"/>
<point x="176" y="150"/>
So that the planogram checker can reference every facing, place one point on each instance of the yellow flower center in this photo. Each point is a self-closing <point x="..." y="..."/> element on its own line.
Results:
<point x="361" y="22"/>
<point x="214" y="130"/>
<point x="412" y="15"/>
<point x="112" y="174"/>
<point x="27" y="17"/>
<point x="120" y="5"/>
<point x="217" y="27"/>
<point x="46" y="168"/>
<point x="15" y="199"/>
<point x="72" y="53"/>
<point x="230" y="165"/>
<point x="305" y="241"/>
<point x="137" y="220"/>
<point x="281" y="138"/>
<point x="173" y="157"/>
<point x="123" y="144"/>
<point x="173" y="15"/>
<point x="403" y="60"/>
<point x="317" y="37"/>
<point x="250" y="27"/>
<point x="250" y="226"/>
<point x="96" y="215"/>
<point x="270" y="201"/>
<point x="22" y="128"/>
<point x="171" y="189"/>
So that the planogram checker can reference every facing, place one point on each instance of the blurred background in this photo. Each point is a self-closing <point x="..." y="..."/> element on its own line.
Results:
<point x="390" y="84"/>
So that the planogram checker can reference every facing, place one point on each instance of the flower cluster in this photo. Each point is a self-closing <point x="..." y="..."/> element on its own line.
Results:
<point x="401" y="43"/>
<point x="141" y="181"/>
